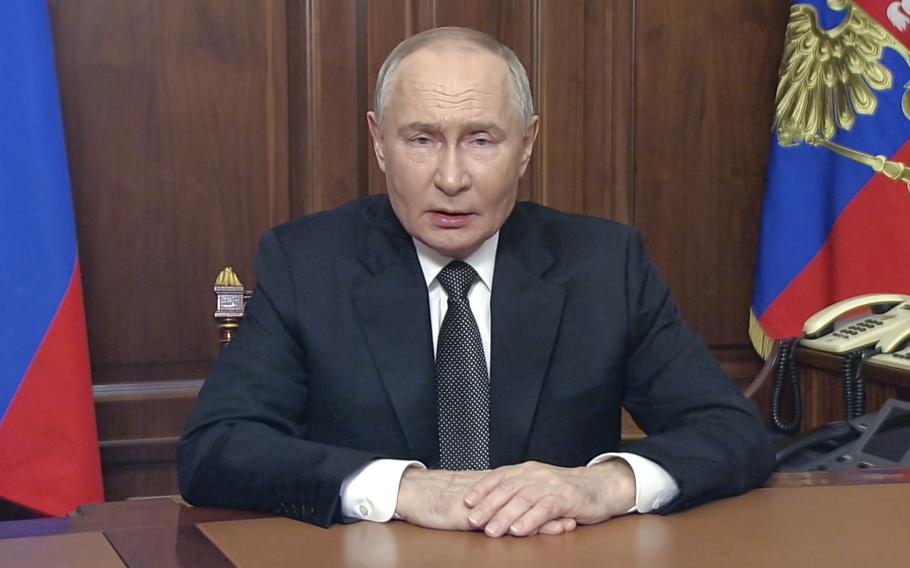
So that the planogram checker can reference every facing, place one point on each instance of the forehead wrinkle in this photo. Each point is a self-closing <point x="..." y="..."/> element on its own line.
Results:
<point x="439" y="90"/>
<point x="455" y="105"/>
<point x="435" y="98"/>
<point x="469" y="99"/>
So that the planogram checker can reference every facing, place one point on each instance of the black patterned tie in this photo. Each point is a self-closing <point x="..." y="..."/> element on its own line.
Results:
<point x="462" y="382"/>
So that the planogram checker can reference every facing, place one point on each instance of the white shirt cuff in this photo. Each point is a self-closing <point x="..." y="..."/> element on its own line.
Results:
<point x="371" y="492"/>
<point x="654" y="487"/>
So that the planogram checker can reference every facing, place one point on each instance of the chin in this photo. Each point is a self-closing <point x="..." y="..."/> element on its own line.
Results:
<point x="452" y="249"/>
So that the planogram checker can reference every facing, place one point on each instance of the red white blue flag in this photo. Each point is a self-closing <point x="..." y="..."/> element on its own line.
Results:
<point x="48" y="442"/>
<point x="836" y="212"/>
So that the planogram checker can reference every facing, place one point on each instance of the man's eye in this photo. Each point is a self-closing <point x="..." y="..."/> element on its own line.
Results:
<point x="422" y="140"/>
<point x="482" y="141"/>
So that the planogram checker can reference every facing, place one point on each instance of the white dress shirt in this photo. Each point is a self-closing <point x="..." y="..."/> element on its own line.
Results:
<point x="371" y="493"/>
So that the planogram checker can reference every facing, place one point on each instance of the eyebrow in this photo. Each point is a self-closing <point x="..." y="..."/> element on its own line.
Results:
<point x="419" y="126"/>
<point x="491" y="127"/>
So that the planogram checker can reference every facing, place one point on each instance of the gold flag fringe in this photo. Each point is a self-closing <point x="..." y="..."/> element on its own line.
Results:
<point x="761" y="341"/>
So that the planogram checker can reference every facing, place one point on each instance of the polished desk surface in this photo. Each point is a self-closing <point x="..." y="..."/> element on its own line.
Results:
<point x="801" y="520"/>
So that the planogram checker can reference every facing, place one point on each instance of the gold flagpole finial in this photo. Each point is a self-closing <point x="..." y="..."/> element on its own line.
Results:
<point x="228" y="277"/>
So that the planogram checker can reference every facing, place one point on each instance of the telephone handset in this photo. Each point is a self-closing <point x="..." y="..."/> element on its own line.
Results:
<point x="829" y="331"/>
<point x="894" y="350"/>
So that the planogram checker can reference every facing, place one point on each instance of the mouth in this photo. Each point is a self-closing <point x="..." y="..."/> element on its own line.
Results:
<point x="450" y="219"/>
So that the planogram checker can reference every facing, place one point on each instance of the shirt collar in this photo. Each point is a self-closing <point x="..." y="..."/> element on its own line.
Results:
<point x="482" y="260"/>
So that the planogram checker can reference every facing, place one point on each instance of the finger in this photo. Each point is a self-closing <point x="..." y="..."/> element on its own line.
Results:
<point x="523" y="502"/>
<point x="558" y="526"/>
<point x="488" y="482"/>
<point x="493" y="502"/>
<point x="544" y="510"/>
<point x="550" y="527"/>
<point x="482" y="486"/>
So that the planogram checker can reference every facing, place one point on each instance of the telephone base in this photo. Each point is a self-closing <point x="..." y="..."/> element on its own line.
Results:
<point x="879" y="439"/>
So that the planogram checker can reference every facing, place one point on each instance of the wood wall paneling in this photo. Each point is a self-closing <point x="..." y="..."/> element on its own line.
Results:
<point x="619" y="86"/>
<point x="138" y="428"/>
<point x="561" y="100"/>
<point x="328" y="104"/>
<point x="387" y="24"/>
<point x="705" y="79"/>
<point x="585" y="88"/>
<point x="175" y="115"/>
<point x="176" y="121"/>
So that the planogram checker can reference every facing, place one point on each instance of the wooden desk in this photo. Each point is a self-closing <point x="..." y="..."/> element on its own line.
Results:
<point x="787" y="525"/>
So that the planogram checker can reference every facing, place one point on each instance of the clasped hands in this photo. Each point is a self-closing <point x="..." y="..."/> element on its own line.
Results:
<point x="522" y="500"/>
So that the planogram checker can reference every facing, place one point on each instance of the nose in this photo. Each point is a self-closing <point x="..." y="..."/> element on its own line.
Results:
<point x="451" y="175"/>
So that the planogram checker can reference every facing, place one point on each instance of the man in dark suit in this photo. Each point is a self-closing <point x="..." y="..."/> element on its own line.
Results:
<point x="446" y="356"/>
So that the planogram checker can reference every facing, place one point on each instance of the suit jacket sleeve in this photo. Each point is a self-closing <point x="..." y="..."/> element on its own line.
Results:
<point x="700" y="427"/>
<point x="245" y="445"/>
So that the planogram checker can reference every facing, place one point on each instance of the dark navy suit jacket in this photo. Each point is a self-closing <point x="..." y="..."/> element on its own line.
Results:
<point x="333" y="365"/>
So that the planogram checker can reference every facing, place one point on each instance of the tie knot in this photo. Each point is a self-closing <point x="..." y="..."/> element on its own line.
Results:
<point x="457" y="277"/>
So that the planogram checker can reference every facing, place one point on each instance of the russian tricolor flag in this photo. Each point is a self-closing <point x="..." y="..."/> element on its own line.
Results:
<point x="48" y="442"/>
<point x="833" y="228"/>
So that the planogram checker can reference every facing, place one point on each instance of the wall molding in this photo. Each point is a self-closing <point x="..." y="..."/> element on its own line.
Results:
<point x="146" y="389"/>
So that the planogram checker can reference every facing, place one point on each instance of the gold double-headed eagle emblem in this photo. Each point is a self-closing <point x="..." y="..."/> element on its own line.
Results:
<point x="827" y="77"/>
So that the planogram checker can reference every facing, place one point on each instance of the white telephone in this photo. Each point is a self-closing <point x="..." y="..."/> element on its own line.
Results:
<point x="835" y="330"/>
<point x="895" y="350"/>
<point x="828" y="331"/>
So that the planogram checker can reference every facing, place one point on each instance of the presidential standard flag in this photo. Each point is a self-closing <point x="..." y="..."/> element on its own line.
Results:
<point x="48" y="443"/>
<point x="836" y="212"/>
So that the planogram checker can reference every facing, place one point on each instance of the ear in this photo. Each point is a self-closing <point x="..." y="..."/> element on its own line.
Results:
<point x="376" y="134"/>
<point x="527" y="143"/>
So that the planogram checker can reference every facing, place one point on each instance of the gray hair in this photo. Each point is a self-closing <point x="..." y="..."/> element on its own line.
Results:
<point x="521" y="96"/>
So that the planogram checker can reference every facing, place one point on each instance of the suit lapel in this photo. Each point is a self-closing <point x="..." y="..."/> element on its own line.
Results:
<point x="526" y="311"/>
<point x="393" y="311"/>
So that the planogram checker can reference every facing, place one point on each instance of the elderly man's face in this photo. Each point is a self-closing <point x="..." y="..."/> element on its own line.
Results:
<point x="452" y="147"/>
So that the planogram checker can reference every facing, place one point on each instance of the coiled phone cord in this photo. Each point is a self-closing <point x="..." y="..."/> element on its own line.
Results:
<point x="786" y="369"/>
<point x="854" y="385"/>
